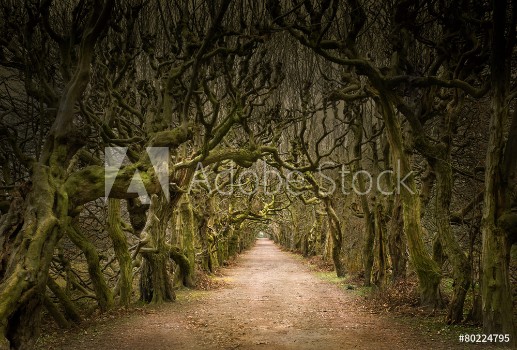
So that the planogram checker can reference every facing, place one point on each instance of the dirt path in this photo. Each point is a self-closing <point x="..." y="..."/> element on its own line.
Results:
<point x="272" y="301"/>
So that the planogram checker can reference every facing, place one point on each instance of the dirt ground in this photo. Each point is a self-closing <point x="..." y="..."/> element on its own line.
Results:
<point x="271" y="301"/>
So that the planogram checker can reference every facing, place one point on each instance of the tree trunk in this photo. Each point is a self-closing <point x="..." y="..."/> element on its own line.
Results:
<point x="69" y="307"/>
<point x="187" y="223"/>
<point x="496" y="292"/>
<point x="25" y="279"/>
<point x="369" y="223"/>
<point x="460" y="265"/>
<point x="233" y="242"/>
<point x="202" y="229"/>
<point x="121" y="248"/>
<point x="101" y="288"/>
<point x="319" y="239"/>
<point x="427" y="270"/>
<point x="396" y="242"/>
<point x="155" y="282"/>
<point x="10" y="225"/>
<point x="380" y="229"/>
<point x="52" y="309"/>
<point x="25" y="276"/>
<point x="337" y="238"/>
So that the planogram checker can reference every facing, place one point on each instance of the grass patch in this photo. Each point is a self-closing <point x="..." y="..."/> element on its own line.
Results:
<point x="324" y="270"/>
<point x="190" y="295"/>
<point x="330" y="277"/>
<point x="347" y="283"/>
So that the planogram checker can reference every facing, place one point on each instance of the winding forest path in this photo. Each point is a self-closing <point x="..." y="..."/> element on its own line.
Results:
<point x="272" y="301"/>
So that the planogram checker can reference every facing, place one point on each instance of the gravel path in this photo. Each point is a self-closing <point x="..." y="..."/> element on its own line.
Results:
<point x="271" y="301"/>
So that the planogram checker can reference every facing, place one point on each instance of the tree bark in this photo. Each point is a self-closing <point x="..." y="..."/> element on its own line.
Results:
<point x="369" y="222"/>
<point x="427" y="270"/>
<point x="52" y="309"/>
<point x="396" y="243"/>
<point x="380" y="229"/>
<point x="460" y="265"/>
<point x="25" y="277"/>
<point x="202" y="229"/>
<point x="155" y="282"/>
<point x="187" y="223"/>
<point x="496" y="292"/>
<point x="121" y="248"/>
<point x="337" y="237"/>
<point x="100" y="286"/>
<point x="69" y="307"/>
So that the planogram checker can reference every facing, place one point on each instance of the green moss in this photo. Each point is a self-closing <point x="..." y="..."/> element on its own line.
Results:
<point x="172" y="138"/>
<point x="191" y="295"/>
<point x="331" y="277"/>
<point x="346" y="283"/>
<point x="447" y="285"/>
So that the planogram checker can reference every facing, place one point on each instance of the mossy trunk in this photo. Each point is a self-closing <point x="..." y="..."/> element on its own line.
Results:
<point x="337" y="258"/>
<point x="496" y="291"/>
<point x="369" y="220"/>
<point x="396" y="243"/>
<point x="460" y="266"/>
<point x="187" y="224"/>
<point x="25" y="276"/>
<point x="185" y="269"/>
<point x="319" y="239"/>
<point x="337" y="238"/>
<point x="100" y="286"/>
<point x="206" y="234"/>
<point x="428" y="272"/>
<point x="500" y="186"/>
<point x="368" y="249"/>
<point x="70" y="309"/>
<point x="304" y="249"/>
<point x="24" y="281"/>
<point x="222" y="244"/>
<point x="213" y="252"/>
<point x="53" y="311"/>
<point x="380" y="249"/>
<point x="202" y="230"/>
<point x="155" y="281"/>
<point x="25" y="323"/>
<point x="11" y="224"/>
<point x="233" y="244"/>
<point x="121" y="248"/>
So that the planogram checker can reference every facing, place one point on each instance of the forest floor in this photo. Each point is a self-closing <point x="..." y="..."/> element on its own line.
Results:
<point x="270" y="300"/>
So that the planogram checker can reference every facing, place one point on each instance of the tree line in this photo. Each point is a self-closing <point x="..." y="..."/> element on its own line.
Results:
<point x="411" y="104"/>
